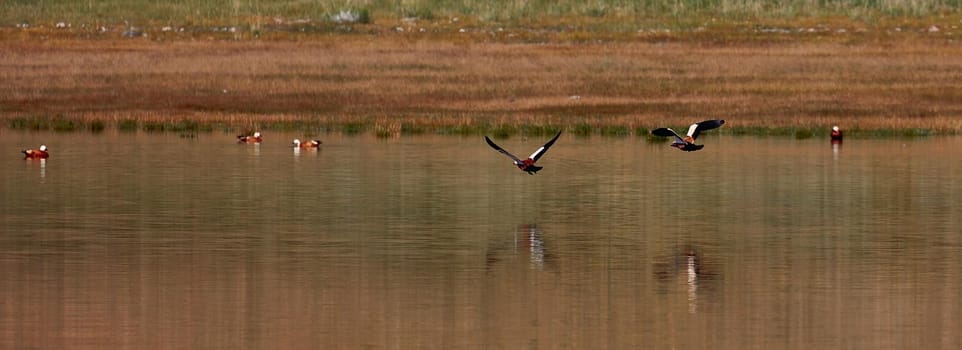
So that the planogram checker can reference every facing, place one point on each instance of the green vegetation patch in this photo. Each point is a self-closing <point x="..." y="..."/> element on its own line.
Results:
<point x="59" y="123"/>
<point x="128" y="125"/>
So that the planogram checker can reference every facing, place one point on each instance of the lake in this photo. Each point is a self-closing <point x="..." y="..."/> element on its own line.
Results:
<point x="154" y="241"/>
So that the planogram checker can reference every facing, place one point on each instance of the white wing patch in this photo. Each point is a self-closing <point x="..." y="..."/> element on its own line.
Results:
<point x="535" y="154"/>
<point x="691" y="129"/>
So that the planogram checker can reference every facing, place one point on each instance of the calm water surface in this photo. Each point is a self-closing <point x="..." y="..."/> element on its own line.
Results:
<point x="146" y="241"/>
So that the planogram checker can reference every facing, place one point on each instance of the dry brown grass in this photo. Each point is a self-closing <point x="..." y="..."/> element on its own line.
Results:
<point x="880" y="80"/>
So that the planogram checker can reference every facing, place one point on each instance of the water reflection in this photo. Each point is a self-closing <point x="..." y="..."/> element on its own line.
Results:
<point x="40" y="163"/>
<point x="425" y="243"/>
<point x="836" y="147"/>
<point x="527" y="243"/>
<point x="686" y="266"/>
<point x="312" y="151"/>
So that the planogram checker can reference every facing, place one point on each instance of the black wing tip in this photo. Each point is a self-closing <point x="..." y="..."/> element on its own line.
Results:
<point x="555" y="138"/>
<point x="712" y="123"/>
<point x="492" y="144"/>
<point x="664" y="132"/>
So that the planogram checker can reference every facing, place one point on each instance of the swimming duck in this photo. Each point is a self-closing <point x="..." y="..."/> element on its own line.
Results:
<point x="687" y="143"/>
<point x="307" y="144"/>
<point x="526" y="165"/>
<point x="40" y="153"/>
<point x="836" y="134"/>
<point x="256" y="138"/>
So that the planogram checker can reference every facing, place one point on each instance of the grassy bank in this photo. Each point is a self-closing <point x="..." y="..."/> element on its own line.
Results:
<point x="393" y="127"/>
<point x="254" y="13"/>
<point x="388" y="85"/>
<point x="429" y="67"/>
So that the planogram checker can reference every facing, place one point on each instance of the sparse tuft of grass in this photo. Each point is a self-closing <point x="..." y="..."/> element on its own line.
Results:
<point x="385" y="130"/>
<point x="62" y="124"/>
<point x="128" y="125"/>
<point x="917" y="132"/>
<point x="352" y="128"/>
<point x="652" y="139"/>
<point x="154" y="126"/>
<point x="412" y="129"/>
<point x="615" y="130"/>
<point x="504" y="131"/>
<point x="19" y="123"/>
<point x="582" y="129"/>
<point x="533" y="130"/>
<point x="802" y="134"/>
<point x="96" y="126"/>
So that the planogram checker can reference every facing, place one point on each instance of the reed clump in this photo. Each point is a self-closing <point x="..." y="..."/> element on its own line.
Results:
<point x="57" y="123"/>
<point x="479" y="125"/>
<point x="128" y="125"/>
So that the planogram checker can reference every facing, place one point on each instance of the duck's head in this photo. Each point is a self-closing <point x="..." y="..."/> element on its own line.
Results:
<point x="297" y="142"/>
<point x="835" y="128"/>
<point x="257" y="134"/>
<point x="43" y="147"/>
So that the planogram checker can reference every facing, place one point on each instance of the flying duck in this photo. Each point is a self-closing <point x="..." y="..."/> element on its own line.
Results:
<point x="687" y="143"/>
<point x="526" y="165"/>
<point x="256" y="138"/>
<point x="836" y="134"/>
<point x="307" y="144"/>
<point x="40" y="153"/>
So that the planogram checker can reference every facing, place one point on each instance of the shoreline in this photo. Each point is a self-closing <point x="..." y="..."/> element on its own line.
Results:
<point x="384" y="128"/>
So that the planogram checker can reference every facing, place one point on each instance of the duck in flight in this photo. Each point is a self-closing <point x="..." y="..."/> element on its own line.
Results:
<point x="40" y="153"/>
<point x="687" y="143"/>
<point x="526" y="165"/>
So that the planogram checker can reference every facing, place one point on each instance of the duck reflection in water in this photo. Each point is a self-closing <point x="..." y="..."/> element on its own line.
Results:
<point x="686" y="265"/>
<point x="40" y="163"/>
<point x="527" y="243"/>
<point x="836" y="137"/>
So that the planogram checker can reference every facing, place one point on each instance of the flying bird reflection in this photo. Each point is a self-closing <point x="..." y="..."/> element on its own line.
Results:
<point x="686" y="266"/>
<point x="527" y="245"/>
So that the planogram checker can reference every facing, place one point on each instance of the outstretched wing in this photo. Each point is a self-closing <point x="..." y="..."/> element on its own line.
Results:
<point x="540" y="152"/>
<point x="697" y="128"/>
<point x="499" y="149"/>
<point x="666" y="132"/>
